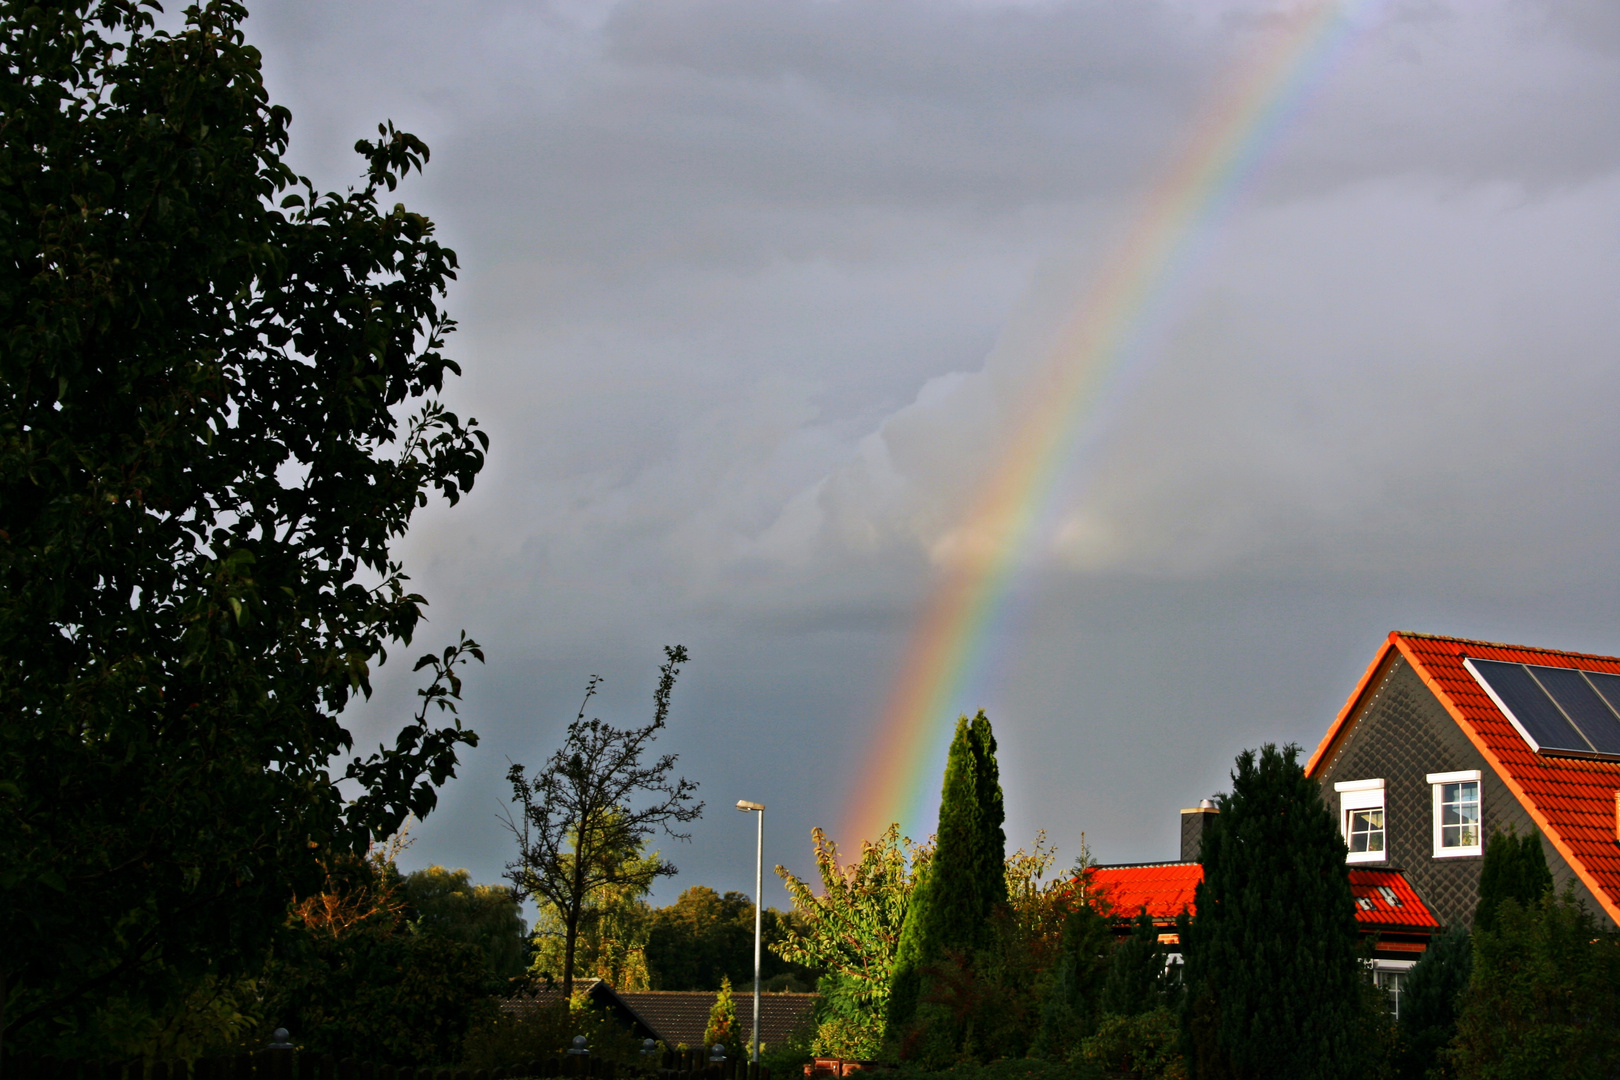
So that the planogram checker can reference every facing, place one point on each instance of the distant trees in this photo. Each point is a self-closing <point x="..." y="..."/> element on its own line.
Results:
<point x="705" y="938"/>
<point x="950" y="914"/>
<point x="587" y="814"/>
<point x="446" y="904"/>
<point x="1273" y="967"/>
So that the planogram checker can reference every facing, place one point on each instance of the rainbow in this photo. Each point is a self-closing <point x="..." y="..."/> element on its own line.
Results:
<point x="951" y="641"/>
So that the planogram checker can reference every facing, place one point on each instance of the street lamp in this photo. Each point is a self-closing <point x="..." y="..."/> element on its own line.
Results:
<point x="759" y="862"/>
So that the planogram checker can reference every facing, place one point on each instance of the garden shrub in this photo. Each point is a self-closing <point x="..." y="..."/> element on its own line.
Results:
<point x="1145" y="1046"/>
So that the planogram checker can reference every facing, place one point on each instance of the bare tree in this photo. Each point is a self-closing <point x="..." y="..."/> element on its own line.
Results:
<point x="581" y="829"/>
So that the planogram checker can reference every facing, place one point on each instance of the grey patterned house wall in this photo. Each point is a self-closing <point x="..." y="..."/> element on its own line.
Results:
<point x="1401" y="734"/>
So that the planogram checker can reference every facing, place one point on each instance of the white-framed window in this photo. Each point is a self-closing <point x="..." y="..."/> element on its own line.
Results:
<point x="1457" y="828"/>
<point x="1361" y="819"/>
<point x="1390" y="976"/>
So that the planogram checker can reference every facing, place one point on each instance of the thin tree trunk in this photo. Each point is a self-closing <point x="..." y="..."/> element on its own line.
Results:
<point x="569" y="939"/>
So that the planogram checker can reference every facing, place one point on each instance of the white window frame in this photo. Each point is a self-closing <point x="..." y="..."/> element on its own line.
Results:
<point x="1463" y="776"/>
<point x="1400" y="968"/>
<point x="1362" y="795"/>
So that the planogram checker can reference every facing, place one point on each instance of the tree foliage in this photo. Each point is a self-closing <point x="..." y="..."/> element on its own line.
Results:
<point x="722" y="1026"/>
<point x="1515" y="868"/>
<point x="1273" y="966"/>
<point x="965" y="882"/>
<point x="705" y="937"/>
<point x="218" y="409"/>
<point x="613" y="932"/>
<point x="851" y="931"/>
<point x="583" y="823"/>
<point x="447" y="904"/>
<point x="1429" y="1002"/>
<point x="357" y="978"/>
<point x="1543" y="1000"/>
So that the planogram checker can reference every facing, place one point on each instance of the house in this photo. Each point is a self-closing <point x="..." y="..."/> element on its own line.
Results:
<point x="1445" y="740"/>
<point x="1388" y="909"/>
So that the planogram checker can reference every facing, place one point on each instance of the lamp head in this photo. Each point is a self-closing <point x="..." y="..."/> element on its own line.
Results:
<point x="745" y="806"/>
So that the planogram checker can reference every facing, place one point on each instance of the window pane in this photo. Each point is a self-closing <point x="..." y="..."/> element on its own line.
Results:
<point x="1459" y="814"/>
<point x="1367" y="830"/>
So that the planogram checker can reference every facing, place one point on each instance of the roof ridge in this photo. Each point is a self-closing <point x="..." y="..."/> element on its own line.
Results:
<point x="1142" y="865"/>
<point x="1503" y="645"/>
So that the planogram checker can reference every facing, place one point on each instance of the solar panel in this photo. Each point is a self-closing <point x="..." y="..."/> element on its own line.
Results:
<point x="1589" y="712"/>
<point x="1530" y="707"/>
<point x="1608" y="686"/>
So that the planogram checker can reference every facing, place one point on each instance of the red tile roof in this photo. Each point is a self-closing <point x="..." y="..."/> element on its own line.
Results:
<point x="1165" y="888"/>
<point x="1386" y="898"/>
<point x="1572" y="800"/>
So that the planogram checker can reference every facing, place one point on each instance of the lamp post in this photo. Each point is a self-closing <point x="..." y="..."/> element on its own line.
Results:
<point x="759" y="863"/>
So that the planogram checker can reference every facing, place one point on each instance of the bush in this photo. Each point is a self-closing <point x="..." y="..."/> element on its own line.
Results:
<point x="1544" y="998"/>
<point x="541" y="1030"/>
<point x="1006" y="1069"/>
<point x="1146" y="1046"/>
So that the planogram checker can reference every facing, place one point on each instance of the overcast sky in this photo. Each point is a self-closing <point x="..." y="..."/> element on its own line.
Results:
<point x="738" y="275"/>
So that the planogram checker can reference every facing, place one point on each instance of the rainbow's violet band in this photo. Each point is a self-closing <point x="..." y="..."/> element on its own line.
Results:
<point x="948" y="652"/>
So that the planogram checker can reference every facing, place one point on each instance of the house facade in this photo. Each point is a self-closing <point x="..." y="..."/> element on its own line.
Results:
<point x="1446" y="739"/>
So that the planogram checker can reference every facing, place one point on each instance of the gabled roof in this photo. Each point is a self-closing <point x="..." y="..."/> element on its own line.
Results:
<point x="1571" y="800"/>
<point x="680" y="1016"/>
<point x="1165" y="888"/>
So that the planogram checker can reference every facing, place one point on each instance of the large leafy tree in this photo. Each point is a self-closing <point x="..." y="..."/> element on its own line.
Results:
<point x="218" y="409"/>
<point x="965" y="882"/>
<point x="585" y="817"/>
<point x="1273" y="969"/>
<point x="851" y="931"/>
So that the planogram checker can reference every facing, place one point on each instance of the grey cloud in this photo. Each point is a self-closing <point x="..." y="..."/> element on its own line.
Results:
<point x="752" y="292"/>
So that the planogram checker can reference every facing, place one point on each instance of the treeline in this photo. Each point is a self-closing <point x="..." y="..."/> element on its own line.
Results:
<point x="701" y="939"/>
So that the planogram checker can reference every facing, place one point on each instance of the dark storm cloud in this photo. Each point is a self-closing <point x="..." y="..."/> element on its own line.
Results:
<point x="748" y="284"/>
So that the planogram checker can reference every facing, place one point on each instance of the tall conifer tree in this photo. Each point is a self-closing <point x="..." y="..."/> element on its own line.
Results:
<point x="1273" y="965"/>
<point x="1515" y="868"/>
<point x="966" y="880"/>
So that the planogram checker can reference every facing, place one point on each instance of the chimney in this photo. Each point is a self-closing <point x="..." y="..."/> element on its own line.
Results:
<point x="1194" y="823"/>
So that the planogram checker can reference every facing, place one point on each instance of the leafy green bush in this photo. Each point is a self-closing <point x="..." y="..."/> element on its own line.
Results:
<point x="1145" y="1046"/>
<point x="1544" y="997"/>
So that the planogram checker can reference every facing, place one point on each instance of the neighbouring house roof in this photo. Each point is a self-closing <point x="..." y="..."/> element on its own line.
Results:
<point x="1572" y="800"/>
<point x="1163" y="888"/>
<point x="680" y="1016"/>
<point x="1166" y="888"/>
<point x="550" y="993"/>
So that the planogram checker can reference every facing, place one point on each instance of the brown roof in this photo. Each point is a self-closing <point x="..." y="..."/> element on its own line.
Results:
<point x="680" y="1016"/>
<point x="1573" y="801"/>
